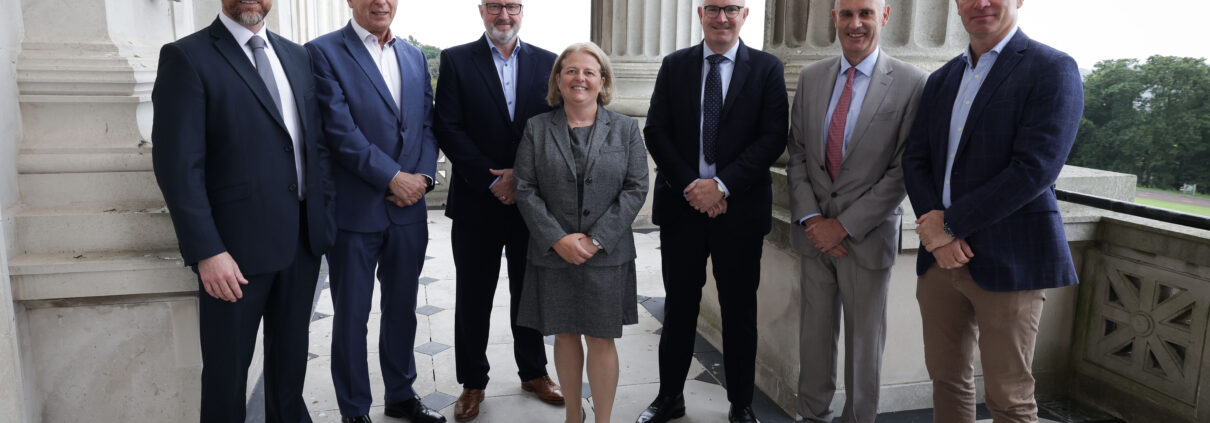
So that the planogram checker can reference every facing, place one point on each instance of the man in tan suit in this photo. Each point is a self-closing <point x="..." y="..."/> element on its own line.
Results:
<point x="850" y="118"/>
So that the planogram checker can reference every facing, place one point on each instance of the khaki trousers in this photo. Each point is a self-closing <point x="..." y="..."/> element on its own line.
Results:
<point x="957" y="314"/>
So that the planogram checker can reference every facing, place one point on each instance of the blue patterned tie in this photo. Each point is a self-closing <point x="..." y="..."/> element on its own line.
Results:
<point x="712" y="107"/>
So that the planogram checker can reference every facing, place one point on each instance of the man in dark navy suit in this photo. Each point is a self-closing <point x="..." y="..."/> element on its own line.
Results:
<point x="377" y="99"/>
<point x="993" y="130"/>
<point x="239" y="157"/>
<point x="718" y="120"/>
<point x="487" y="89"/>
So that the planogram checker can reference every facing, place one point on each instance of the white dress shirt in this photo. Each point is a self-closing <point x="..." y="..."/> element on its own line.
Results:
<point x="384" y="58"/>
<point x="289" y="111"/>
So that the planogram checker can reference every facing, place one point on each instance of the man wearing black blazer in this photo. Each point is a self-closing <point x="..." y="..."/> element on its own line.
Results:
<point x="239" y="158"/>
<point x="718" y="120"/>
<point x="486" y="90"/>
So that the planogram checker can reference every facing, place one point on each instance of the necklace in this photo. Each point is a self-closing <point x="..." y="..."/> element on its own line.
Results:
<point x="579" y="122"/>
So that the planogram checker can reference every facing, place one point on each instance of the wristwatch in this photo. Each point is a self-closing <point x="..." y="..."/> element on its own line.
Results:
<point x="945" y="226"/>
<point x="596" y="243"/>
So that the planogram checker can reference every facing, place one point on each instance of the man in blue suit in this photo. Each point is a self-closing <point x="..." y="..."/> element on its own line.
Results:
<point x="377" y="112"/>
<point x="992" y="133"/>
<point x="718" y="120"/>
<point x="240" y="160"/>
<point x="487" y="89"/>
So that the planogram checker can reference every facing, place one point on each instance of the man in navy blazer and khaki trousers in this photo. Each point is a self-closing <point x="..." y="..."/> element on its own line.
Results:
<point x="993" y="131"/>
<point x="486" y="91"/>
<point x="239" y="157"/>
<point x="717" y="121"/>
<point x="376" y="98"/>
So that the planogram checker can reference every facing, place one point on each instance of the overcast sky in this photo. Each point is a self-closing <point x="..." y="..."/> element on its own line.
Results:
<point x="1088" y="30"/>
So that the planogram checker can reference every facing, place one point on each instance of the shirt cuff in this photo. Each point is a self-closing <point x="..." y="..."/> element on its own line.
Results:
<point x="803" y="221"/>
<point x="493" y="184"/>
<point x="726" y="193"/>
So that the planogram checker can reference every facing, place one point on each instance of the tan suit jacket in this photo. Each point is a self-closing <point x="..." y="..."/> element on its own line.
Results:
<point x="866" y="195"/>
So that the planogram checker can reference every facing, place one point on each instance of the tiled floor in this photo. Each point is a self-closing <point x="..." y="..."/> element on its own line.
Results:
<point x="505" y="402"/>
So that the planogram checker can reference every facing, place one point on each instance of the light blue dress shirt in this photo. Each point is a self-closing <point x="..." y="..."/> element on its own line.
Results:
<point x="725" y="69"/>
<point x="506" y="69"/>
<point x="972" y="79"/>
<point x="861" y="84"/>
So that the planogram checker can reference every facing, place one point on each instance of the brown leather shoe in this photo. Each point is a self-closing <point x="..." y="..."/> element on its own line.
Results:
<point x="467" y="406"/>
<point x="546" y="389"/>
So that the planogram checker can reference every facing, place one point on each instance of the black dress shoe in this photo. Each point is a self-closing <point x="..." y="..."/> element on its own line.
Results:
<point x="358" y="419"/>
<point x="741" y="415"/>
<point x="663" y="409"/>
<point x="413" y="410"/>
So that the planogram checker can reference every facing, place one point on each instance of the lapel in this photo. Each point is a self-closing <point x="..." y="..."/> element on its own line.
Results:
<point x="528" y="81"/>
<point x="738" y="77"/>
<point x="824" y="84"/>
<point x="562" y="141"/>
<point x="234" y="53"/>
<point x="600" y="130"/>
<point x="876" y="93"/>
<point x="404" y="68"/>
<point x="1008" y="59"/>
<point x="357" y="49"/>
<point x="487" y="69"/>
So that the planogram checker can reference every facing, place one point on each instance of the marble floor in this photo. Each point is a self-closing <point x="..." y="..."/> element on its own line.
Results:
<point x="505" y="401"/>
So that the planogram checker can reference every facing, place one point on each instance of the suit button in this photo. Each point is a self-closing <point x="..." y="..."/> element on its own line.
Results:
<point x="833" y="195"/>
<point x="586" y="212"/>
<point x="588" y="181"/>
<point x="289" y="149"/>
<point x="823" y="168"/>
<point x="293" y="187"/>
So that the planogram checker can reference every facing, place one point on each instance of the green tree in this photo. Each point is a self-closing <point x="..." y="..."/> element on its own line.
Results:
<point x="1150" y="119"/>
<point x="433" y="54"/>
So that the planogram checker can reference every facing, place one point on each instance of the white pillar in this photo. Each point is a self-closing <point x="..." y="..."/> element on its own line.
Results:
<point x="926" y="33"/>
<point x="636" y="34"/>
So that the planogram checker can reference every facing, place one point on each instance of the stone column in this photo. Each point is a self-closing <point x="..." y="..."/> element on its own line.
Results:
<point x="926" y="33"/>
<point x="636" y="34"/>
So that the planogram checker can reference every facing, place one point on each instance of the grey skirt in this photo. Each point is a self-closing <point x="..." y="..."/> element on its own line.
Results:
<point x="586" y="300"/>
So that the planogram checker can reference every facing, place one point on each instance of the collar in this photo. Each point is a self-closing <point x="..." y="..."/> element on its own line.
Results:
<point x="866" y="67"/>
<point x="729" y="54"/>
<point x="966" y="54"/>
<point x="241" y="33"/>
<point x="365" y="35"/>
<point x="492" y="46"/>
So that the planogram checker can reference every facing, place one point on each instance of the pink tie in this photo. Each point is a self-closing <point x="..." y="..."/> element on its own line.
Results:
<point x="835" y="151"/>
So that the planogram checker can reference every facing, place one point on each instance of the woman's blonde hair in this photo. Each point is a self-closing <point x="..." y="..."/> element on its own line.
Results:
<point x="555" y="98"/>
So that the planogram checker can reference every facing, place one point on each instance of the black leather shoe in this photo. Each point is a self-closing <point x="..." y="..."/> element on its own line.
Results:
<point x="358" y="419"/>
<point x="663" y="409"/>
<point x="414" y="410"/>
<point x="741" y="415"/>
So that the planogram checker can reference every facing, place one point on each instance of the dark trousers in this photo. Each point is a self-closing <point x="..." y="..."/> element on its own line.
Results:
<point x="477" y="247"/>
<point x="228" y="337"/>
<point x="398" y="255"/>
<point x="736" y="264"/>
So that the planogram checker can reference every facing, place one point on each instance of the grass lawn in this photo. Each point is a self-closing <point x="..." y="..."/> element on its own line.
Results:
<point x="1172" y="191"/>
<point x="1184" y="208"/>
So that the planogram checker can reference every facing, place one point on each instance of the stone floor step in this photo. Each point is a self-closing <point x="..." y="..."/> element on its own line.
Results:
<point x="52" y="189"/>
<point x="79" y="227"/>
<point x="50" y="276"/>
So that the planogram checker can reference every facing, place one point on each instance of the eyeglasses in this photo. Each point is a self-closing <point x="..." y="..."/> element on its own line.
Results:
<point x="496" y="8"/>
<point x="732" y="11"/>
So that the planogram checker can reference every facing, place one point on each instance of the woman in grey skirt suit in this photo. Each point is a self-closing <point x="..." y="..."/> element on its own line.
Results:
<point x="581" y="175"/>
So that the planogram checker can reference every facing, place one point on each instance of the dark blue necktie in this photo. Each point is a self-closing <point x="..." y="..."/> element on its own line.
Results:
<point x="712" y="107"/>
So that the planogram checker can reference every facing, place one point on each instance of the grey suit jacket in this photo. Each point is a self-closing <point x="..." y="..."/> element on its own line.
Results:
<point x="866" y="195"/>
<point x="614" y="187"/>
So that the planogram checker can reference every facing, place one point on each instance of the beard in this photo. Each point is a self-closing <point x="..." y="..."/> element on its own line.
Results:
<point x="503" y="37"/>
<point x="247" y="18"/>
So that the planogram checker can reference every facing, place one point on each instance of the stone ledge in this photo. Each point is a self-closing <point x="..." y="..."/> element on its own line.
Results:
<point x="99" y="274"/>
<point x="84" y="160"/>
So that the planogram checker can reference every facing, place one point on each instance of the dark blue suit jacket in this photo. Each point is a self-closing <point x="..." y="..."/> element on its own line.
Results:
<point x="370" y="137"/>
<point x="224" y="160"/>
<point x="751" y="136"/>
<point x="1021" y="126"/>
<point x="472" y="123"/>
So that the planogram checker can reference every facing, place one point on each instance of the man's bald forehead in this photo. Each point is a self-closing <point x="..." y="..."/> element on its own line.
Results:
<point x="877" y="4"/>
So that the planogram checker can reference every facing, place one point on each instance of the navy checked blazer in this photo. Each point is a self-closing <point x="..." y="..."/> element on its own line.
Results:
<point x="1021" y="127"/>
